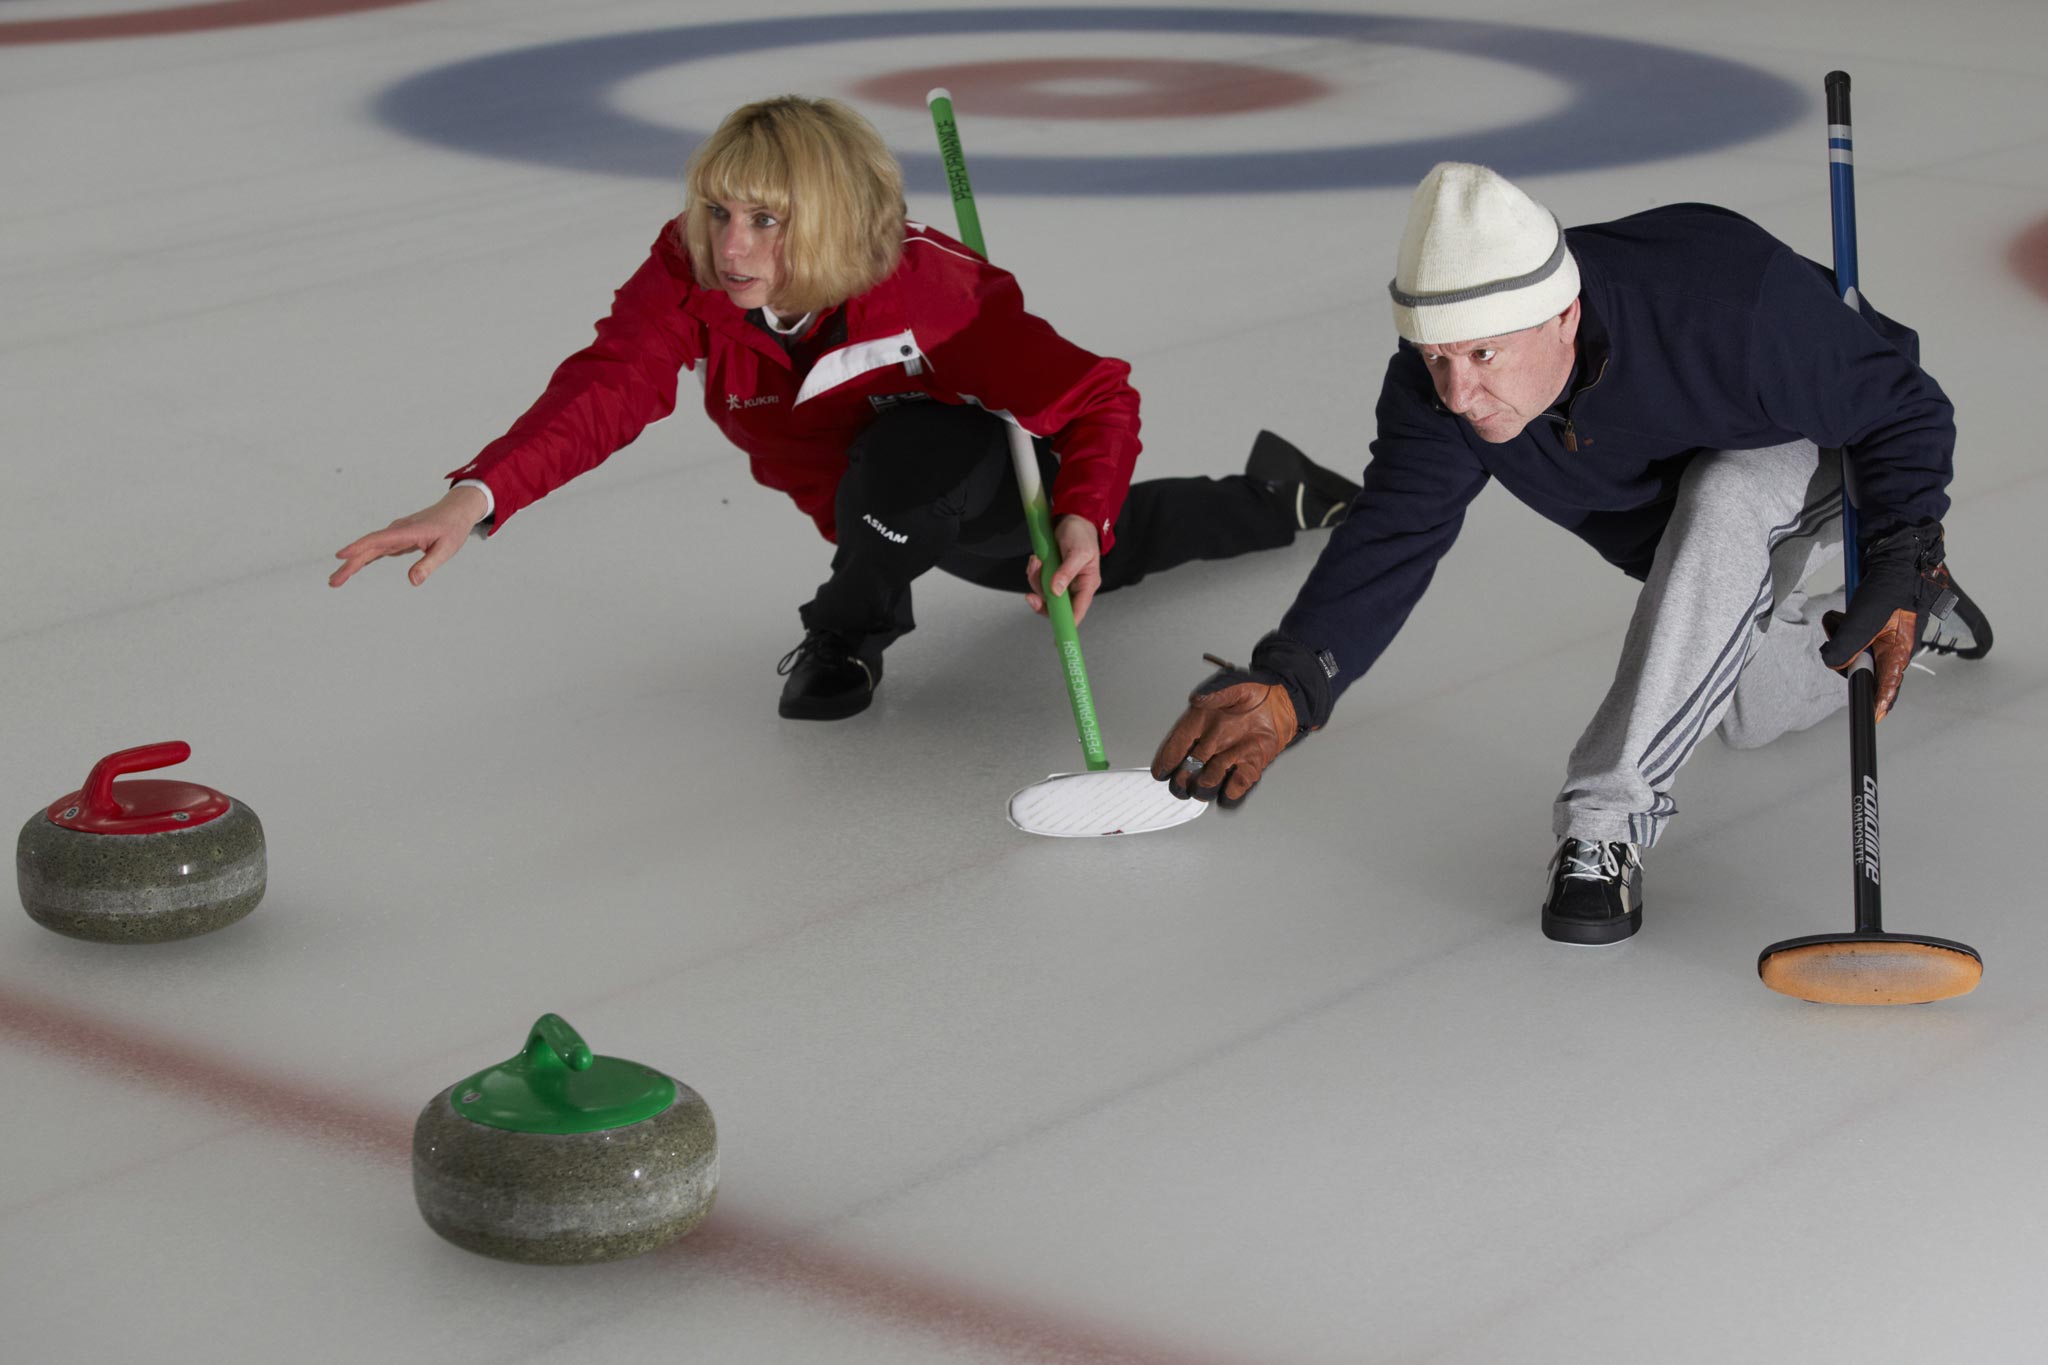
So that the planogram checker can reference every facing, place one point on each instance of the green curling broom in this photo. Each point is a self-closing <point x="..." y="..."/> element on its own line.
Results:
<point x="1101" y="800"/>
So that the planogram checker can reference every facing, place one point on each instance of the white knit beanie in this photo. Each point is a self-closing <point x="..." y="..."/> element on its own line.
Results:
<point x="1479" y="259"/>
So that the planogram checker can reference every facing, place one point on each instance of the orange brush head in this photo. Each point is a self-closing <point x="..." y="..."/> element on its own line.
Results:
<point x="1870" y="971"/>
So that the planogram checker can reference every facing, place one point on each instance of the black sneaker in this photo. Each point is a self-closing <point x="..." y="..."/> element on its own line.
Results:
<point x="827" y="680"/>
<point x="1317" y="497"/>
<point x="1596" y="892"/>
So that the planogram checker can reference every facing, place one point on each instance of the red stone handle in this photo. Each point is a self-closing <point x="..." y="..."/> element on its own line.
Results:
<point x="96" y="799"/>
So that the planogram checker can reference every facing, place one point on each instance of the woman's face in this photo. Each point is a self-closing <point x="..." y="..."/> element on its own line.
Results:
<point x="746" y="244"/>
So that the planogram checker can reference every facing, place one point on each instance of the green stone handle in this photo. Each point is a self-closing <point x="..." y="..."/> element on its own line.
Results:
<point x="554" y="1044"/>
<point x="555" y="1085"/>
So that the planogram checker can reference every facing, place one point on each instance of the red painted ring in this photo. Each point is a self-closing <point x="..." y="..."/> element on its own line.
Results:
<point x="1162" y="88"/>
<point x="2028" y="257"/>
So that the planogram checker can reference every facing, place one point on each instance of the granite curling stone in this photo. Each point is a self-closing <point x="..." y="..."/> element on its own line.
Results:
<point x="556" y="1157"/>
<point x="140" y="861"/>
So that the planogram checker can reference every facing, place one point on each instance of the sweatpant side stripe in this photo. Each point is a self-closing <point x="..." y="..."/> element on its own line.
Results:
<point x="1686" y="725"/>
<point x="1691" y="723"/>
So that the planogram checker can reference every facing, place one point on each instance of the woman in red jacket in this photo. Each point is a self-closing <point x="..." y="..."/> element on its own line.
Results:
<point x="866" y="365"/>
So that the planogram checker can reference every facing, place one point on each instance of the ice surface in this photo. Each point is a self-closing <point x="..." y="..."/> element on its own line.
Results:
<point x="1298" y="1083"/>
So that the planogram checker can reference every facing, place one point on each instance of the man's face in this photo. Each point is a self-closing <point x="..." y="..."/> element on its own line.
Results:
<point x="1501" y="384"/>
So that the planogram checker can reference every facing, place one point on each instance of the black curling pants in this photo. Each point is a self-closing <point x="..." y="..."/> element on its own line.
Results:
<point x="930" y="485"/>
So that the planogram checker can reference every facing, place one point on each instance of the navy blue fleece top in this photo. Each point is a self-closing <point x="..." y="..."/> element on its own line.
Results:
<point x="1699" y="331"/>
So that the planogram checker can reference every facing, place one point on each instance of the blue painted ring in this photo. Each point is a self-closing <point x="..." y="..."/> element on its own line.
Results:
<point x="1631" y="102"/>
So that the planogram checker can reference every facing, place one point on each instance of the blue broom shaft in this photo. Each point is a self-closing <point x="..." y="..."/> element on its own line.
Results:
<point x="1842" y="208"/>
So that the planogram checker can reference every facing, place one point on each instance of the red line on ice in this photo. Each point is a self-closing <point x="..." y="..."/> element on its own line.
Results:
<point x="145" y="23"/>
<point x="728" y="1241"/>
<point x="288" y="1104"/>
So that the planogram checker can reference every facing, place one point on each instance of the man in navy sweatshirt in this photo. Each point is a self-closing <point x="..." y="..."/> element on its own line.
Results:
<point x="1670" y="388"/>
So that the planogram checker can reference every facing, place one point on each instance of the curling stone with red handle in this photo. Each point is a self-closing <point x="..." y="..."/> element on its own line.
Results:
<point x="140" y="861"/>
<point x="559" y="1157"/>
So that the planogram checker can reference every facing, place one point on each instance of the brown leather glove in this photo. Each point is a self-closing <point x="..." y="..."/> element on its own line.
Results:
<point x="1236" y="723"/>
<point x="1904" y="582"/>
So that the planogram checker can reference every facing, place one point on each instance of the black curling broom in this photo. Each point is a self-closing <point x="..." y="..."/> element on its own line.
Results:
<point x="1869" y="966"/>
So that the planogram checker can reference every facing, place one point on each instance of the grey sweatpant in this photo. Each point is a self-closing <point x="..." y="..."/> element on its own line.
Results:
<point x="1723" y="634"/>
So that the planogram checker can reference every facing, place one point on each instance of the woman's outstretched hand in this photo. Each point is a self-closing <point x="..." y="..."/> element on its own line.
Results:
<point x="437" y="531"/>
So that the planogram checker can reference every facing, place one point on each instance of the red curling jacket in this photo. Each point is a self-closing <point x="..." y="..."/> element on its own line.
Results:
<point x="945" y="324"/>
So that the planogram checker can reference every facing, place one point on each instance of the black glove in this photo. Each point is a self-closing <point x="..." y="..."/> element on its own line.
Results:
<point x="1239" y="719"/>
<point x="1904" y="582"/>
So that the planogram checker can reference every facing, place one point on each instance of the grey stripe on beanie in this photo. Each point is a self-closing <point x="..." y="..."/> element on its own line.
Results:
<point x="1480" y="291"/>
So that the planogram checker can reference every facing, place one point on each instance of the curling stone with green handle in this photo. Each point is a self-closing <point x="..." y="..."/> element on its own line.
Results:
<point x="557" y="1157"/>
<point x="140" y="861"/>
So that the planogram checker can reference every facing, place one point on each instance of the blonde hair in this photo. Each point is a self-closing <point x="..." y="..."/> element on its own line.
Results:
<point x="823" y="171"/>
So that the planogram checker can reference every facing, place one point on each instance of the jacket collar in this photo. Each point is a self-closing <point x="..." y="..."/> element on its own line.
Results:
<point x="878" y="312"/>
<point x="1595" y="348"/>
<point x="717" y="311"/>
